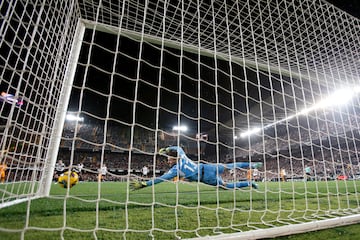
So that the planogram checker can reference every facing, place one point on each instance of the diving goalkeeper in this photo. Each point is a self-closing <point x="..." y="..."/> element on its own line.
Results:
<point x="210" y="174"/>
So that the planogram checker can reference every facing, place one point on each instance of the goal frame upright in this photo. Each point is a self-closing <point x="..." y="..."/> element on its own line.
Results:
<point x="41" y="74"/>
<point x="274" y="68"/>
<point x="61" y="113"/>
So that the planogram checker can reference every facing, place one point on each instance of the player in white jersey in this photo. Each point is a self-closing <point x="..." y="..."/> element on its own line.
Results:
<point x="145" y="171"/>
<point x="209" y="174"/>
<point x="9" y="98"/>
<point x="59" y="169"/>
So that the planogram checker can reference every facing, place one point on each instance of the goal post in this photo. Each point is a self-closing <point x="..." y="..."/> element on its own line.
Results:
<point x="35" y="43"/>
<point x="61" y="112"/>
<point x="256" y="81"/>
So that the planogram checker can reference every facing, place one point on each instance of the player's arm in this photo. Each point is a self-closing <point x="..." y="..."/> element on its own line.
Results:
<point x="135" y="185"/>
<point x="167" y="176"/>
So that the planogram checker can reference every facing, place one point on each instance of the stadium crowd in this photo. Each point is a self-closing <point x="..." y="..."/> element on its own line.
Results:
<point x="323" y="146"/>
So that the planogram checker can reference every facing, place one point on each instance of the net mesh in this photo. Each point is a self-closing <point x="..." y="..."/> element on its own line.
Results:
<point x="274" y="82"/>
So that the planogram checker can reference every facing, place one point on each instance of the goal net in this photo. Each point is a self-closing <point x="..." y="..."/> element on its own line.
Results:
<point x="101" y="86"/>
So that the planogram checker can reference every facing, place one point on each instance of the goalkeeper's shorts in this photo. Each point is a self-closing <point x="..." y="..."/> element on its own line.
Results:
<point x="210" y="174"/>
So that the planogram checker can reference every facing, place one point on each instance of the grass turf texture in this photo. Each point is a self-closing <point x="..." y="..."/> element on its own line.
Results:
<point x="108" y="211"/>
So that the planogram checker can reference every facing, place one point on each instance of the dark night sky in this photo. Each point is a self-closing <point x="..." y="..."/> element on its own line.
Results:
<point x="99" y="79"/>
<point x="350" y="6"/>
<point x="98" y="88"/>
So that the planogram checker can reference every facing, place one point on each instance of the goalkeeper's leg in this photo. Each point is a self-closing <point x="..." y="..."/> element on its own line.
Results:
<point x="241" y="185"/>
<point x="233" y="185"/>
<point x="243" y="165"/>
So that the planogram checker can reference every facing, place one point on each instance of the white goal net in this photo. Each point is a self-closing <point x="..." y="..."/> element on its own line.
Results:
<point x="101" y="86"/>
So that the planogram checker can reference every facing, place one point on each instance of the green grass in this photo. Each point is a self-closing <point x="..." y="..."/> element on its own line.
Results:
<point x="109" y="211"/>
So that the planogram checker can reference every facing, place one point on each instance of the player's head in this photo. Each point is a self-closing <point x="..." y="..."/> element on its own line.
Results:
<point x="171" y="162"/>
<point x="171" y="154"/>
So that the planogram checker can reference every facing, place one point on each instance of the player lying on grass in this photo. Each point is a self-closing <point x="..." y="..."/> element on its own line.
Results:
<point x="184" y="167"/>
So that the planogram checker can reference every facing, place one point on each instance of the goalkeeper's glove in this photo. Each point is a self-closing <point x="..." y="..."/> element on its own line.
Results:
<point x="135" y="185"/>
<point x="163" y="150"/>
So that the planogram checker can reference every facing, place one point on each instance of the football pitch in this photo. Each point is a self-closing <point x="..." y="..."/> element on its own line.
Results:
<point x="110" y="211"/>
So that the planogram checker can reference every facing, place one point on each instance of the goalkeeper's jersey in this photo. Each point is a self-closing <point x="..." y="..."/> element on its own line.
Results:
<point x="185" y="168"/>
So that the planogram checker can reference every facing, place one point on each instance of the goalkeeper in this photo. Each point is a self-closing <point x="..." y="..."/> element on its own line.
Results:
<point x="184" y="167"/>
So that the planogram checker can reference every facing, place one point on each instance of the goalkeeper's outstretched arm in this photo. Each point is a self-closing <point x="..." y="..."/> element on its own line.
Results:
<point x="135" y="185"/>
<point x="173" y="172"/>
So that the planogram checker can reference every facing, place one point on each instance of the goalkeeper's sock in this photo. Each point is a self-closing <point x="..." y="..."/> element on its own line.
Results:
<point x="257" y="165"/>
<point x="254" y="185"/>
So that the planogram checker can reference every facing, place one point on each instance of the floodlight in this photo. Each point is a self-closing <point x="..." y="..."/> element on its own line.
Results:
<point x="340" y="97"/>
<point x="180" y="128"/>
<point x="72" y="118"/>
<point x="250" y="132"/>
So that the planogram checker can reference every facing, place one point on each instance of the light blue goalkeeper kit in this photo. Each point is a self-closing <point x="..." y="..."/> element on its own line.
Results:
<point x="206" y="173"/>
